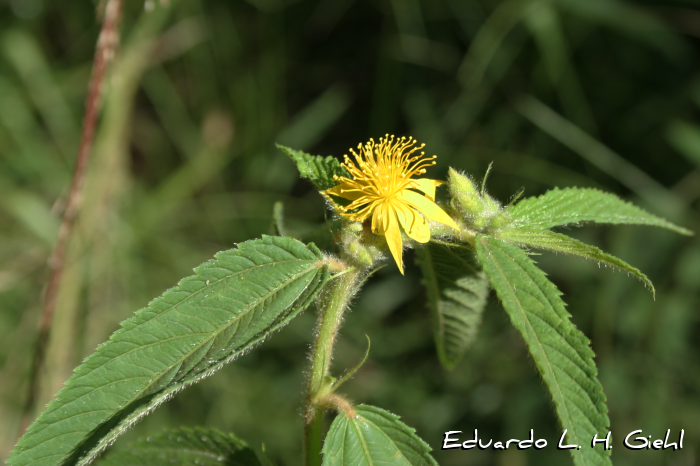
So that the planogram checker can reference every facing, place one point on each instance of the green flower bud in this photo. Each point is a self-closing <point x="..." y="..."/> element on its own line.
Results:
<point x="355" y="227"/>
<point x="352" y="244"/>
<point x="492" y="205"/>
<point x="466" y="196"/>
<point x="500" y="220"/>
<point x="479" y="211"/>
<point x="360" y="253"/>
<point x="460" y="184"/>
<point x="480" y="223"/>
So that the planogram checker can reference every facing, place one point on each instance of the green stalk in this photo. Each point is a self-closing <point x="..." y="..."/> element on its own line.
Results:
<point x="329" y="319"/>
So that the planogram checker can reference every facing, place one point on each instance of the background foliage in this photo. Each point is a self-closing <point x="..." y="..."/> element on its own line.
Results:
<point x="600" y="93"/>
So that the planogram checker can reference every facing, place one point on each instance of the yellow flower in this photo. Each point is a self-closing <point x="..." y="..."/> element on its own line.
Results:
<point x="381" y="185"/>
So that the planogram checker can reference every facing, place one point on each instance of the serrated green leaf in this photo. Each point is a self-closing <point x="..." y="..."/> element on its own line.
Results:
<point x="556" y="242"/>
<point x="319" y="170"/>
<point x="457" y="292"/>
<point x="184" y="447"/>
<point x="578" y="205"/>
<point x="562" y="353"/>
<point x="207" y="320"/>
<point x="372" y="437"/>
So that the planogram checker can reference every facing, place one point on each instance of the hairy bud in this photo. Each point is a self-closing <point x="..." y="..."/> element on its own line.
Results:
<point x="479" y="211"/>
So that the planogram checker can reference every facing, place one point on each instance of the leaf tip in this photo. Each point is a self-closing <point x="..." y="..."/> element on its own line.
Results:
<point x="685" y="231"/>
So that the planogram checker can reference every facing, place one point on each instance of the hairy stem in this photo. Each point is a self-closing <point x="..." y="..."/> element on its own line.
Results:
<point x="329" y="319"/>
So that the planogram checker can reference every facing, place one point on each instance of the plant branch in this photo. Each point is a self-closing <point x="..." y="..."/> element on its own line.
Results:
<point x="106" y="48"/>
<point x="329" y="320"/>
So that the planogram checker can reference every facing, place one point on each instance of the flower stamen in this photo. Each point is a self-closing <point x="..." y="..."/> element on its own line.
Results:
<point x="382" y="186"/>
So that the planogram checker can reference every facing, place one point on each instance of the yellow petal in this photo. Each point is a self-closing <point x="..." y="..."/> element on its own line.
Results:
<point x="344" y="191"/>
<point x="427" y="186"/>
<point x="377" y="221"/>
<point x="413" y="223"/>
<point x="421" y="230"/>
<point x="428" y="208"/>
<point x="390" y="225"/>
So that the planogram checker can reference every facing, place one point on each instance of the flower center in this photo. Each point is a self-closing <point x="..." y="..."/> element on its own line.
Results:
<point x="385" y="169"/>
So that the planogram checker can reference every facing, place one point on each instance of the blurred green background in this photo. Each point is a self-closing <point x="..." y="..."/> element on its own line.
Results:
<point x="594" y="93"/>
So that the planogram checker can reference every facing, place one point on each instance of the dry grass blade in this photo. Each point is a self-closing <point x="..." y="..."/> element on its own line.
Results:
<point x="107" y="44"/>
